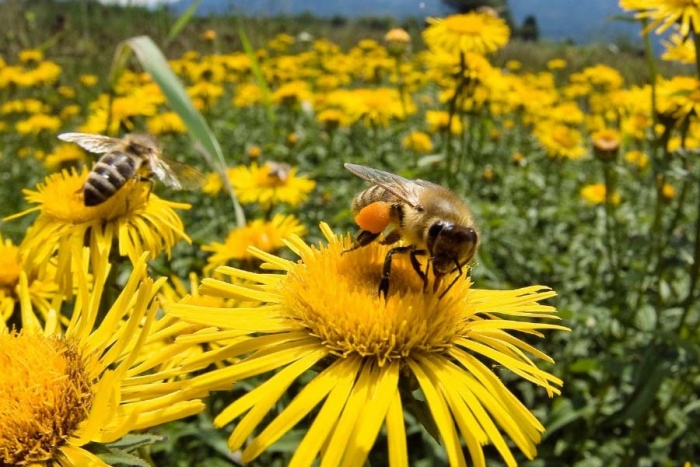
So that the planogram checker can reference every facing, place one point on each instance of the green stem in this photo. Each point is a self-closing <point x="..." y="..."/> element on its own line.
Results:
<point x="610" y="186"/>
<point x="694" y="273"/>
<point x="401" y="85"/>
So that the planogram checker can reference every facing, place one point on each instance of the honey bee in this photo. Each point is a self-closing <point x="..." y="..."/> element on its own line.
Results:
<point x="278" y="170"/>
<point x="430" y="219"/>
<point x="134" y="156"/>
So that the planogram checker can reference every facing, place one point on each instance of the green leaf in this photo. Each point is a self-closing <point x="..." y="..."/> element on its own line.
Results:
<point x="584" y="365"/>
<point x="119" y="457"/>
<point x="182" y="21"/>
<point x="645" y="318"/>
<point x="133" y="441"/>
<point x="156" y="65"/>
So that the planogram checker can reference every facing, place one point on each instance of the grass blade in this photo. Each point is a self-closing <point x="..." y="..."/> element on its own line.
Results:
<point x="182" y="22"/>
<point x="156" y="65"/>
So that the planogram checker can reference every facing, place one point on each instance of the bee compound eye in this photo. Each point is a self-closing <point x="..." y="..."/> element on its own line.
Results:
<point x="435" y="229"/>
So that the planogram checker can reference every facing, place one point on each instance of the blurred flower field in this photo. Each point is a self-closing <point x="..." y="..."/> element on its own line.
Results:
<point x="228" y="325"/>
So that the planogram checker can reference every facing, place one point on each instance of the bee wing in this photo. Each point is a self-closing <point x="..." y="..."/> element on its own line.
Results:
<point x="93" y="143"/>
<point x="403" y="188"/>
<point x="176" y="174"/>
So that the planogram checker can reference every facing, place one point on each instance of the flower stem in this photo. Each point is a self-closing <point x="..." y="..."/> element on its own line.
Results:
<point x="449" y="170"/>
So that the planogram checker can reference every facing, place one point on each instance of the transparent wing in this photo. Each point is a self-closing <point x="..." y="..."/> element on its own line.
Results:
<point x="176" y="174"/>
<point x="93" y="143"/>
<point x="402" y="188"/>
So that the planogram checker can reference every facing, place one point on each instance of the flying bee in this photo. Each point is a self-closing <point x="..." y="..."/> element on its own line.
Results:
<point x="430" y="219"/>
<point x="278" y="170"/>
<point x="134" y="156"/>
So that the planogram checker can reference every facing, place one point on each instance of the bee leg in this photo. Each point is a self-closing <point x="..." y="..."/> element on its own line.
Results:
<point x="363" y="238"/>
<point x="386" y="269"/>
<point x="417" y="266"/>
<point x="393" y="237"/>
<point x="459" y="274"/>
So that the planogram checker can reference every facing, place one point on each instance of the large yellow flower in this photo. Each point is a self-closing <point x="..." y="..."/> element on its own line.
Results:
<point x="323" y="311"/>
<point x="134" y="218"/>
<point x="91" y="383"/>
<point x="473" y="32"/>
<point x="270" y="184"/>
<point x="665" y="13"/>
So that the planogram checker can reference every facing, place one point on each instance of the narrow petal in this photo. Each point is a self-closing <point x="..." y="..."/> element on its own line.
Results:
<point x="322" y="427"/>
<point x="309" y="397"/>
<point x="383" y="385"/>
<point x="281" y="380"/>
<point x="396" y="432"/>
<point x="76" y="456"/>
<point x="441" y="413"/>
<point x="335" y="449"/>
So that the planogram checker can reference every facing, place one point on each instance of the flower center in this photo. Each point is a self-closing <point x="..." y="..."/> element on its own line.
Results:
<point x="336" y="296"/>
<point x="44" y="395"/>
<point x="468" y="25"/>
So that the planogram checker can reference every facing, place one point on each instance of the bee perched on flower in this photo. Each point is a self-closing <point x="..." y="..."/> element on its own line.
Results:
<point x="134" y="219"/>
<point x="323" y="312"/>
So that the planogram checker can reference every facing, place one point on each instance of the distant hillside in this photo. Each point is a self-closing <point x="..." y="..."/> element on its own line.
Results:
<point x="581" y="21"/>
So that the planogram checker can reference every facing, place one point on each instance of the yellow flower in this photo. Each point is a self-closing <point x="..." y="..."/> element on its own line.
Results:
<point x="668" y="192"/>
<point x="472" y="32"/>
<point x="167" y="122"/>
<point x="91" y="383"/>
<point x="208" y="36"/>
<point x="88" y="80"/>
<point x="560" y="141"/>
<point x="264" y="235"/>
<point x="596" y="193"/>
<point x="665" y="13"/>
<point x="419" y="142"/>
<point x="213" y="184"/>
<point x="31" y="56"/>
<point x="606" y="143"/>
<point x="269" y="185"/>
<point x="247" y="94"/>
<point x="513" y="65"/>
<point x="678" y="98"/>
<point x="679" y="49"/>
<point x="254" y="151"/>
<point x="134" y="218"/>
<point x="62" y="154"/>
<point x="556" y="64"/>
<point x="38" y="123"/>
<point x="333" y="118"/>
<point x="293" y="93"/>
<point x="323" y="311"/>
<point x="438" y="122"/>
<point x="637" y="158"/>
<point x="397" y="41"/>
<point x="377" y="106"/>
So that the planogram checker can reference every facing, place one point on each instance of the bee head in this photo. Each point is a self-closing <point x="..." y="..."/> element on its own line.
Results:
<point x="451" y="246"/>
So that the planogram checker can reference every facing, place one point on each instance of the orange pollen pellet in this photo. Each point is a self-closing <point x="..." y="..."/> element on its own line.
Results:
<point x="374" y="217"/>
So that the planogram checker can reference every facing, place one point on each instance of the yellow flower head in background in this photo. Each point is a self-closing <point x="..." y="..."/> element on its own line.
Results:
<point x="560" y="141"/>
<point x="41" y="285"/>
<point x="418" y="142"/>
<point x="91" y="383"/>
<point x="136" y="219"/>
<point x="679" y="49"/>
<point x="439" y="122"/>
<point x="264" y="235"/>
<point x="323" y="311"/>
<point x="596" y="194"/>
<point x="637" y="158"/>
<point x="472" y="32"/>
<point x="64" y="153"/>
<point x="270" y="184"/>
<point x="556" y="64"/>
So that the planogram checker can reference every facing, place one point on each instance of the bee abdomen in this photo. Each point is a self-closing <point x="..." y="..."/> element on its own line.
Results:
<point x="372" y="195"/>
<point x="109" y="174"/>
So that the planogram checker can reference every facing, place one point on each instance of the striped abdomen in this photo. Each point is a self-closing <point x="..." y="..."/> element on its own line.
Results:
<point x="110" y="173"/>
<point x="372" y="195"/>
